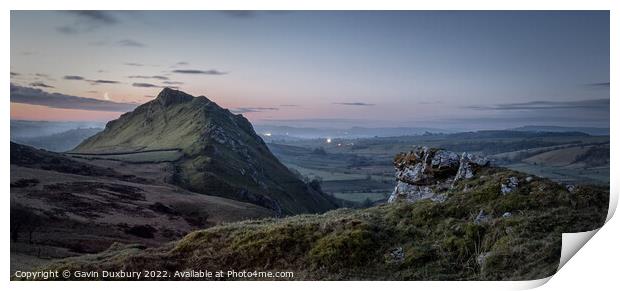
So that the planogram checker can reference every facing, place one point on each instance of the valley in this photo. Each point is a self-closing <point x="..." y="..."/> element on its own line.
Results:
<point x="360" y="170"/>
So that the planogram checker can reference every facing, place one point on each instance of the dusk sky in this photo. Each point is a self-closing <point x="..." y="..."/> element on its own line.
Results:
<point x="375" y="68"/>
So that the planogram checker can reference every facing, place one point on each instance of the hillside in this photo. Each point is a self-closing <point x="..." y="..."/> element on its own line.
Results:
<point x="451" y="217"/>
<point x="63" y="207"/>
<point x="221" y="153"/>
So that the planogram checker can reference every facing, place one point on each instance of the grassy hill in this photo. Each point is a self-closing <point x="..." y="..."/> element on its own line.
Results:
<point x="519" y="237"/>
<point x="221" y="153"/>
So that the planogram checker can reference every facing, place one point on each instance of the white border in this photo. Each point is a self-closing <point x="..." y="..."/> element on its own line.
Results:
<point x="595" y="264"/>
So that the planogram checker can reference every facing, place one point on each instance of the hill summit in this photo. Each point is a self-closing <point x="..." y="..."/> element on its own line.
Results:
<point x="221" y="154"/>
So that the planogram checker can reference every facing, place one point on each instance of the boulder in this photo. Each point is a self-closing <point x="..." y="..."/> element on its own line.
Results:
<point x="424" y="173"/>
<point x="510" y="185"/>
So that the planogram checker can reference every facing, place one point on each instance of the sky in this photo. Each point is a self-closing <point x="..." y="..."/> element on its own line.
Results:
<point x="476" y="70"/>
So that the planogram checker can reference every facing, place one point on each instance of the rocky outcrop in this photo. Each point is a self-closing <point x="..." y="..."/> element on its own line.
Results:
<point x="510" y="185"/>
<point x="426" y="173"/>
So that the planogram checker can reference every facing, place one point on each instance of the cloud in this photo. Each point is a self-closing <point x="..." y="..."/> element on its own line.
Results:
<point x="130" y="43"/>
<point x="145" y="85"/>
<point x="148" y="77"/>
<point x="289" y="105"/>
<point x="133" y="64"/>
<point x="98" y="16"/>
<point x="182" y="64"/>
<point x="242" y="110"/>
<point x="207" y="72"/>
<point x="40" y="84"/>
<point x="239" y="13"/>
<point x="73" y="77"/>
<point x="13" y="74"/>
<point x="595" y="104"/>
<point x="354" y="103"/>
<point x="321" y="120"/>
<point x="601" y="84"/>
<point x="95" y="82"/>
<point x="173" y="82"/>
<point x="33" y="96"/>
<point x="92" y="82"/>
<point x="87" y="20"/>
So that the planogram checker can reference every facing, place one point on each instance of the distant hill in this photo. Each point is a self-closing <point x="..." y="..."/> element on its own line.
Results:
<point x="221" y="153"/>
<point x="280" y="132"/>
<point x="36" y="128"/>
<point x="59" y="142"/>
<point x="588" y="130"/>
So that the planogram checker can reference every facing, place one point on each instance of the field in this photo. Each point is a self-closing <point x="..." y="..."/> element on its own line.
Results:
<point x="157" y="156"/>
<point x="361" y="169"/>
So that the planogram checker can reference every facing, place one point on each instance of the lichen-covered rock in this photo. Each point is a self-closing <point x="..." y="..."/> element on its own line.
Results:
<point x="424" y="166"/>
<point x="510" y="185"/>
<point x="465" y="170"/>
<point x="444" y="158"/>
<point x="467" y="165"/>
<point x="411" y="193"/>
<point x="426" y="173"/>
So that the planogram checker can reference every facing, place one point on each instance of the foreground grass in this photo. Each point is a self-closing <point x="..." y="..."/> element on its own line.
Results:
<point x="420" y="241"/>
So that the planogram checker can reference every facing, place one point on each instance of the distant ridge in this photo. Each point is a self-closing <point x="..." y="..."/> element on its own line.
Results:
<point x="544" y="128"/>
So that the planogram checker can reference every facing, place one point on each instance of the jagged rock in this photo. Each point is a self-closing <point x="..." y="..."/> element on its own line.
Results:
<point x="444" y="158"/>
<point x="507" y="214"/>
<point x="411" y="193"/>
<point x="481" y="217"/>
<point x="424" y="166"/>
<point x="480" y="259"/>
<point x="509" y="186"/>
<point x="424" y="173"/>
<point x="467" y="164"/>
<point x="570" y="188"/>
<point x="412" y="174"/>
<point x="465" y="170"/>
<point x="529" y="179"/>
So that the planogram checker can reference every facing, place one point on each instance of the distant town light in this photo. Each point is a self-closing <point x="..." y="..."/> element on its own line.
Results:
<point x="328" y="140"/>
<point x="268" y="134"/>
